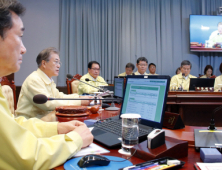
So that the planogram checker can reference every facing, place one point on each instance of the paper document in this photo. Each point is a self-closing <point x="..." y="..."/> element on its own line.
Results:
<point x="210" y="166"/>
<point x="91" y="149"/>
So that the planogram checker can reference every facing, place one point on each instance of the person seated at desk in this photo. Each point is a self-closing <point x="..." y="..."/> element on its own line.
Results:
<point x="218" y="81"/>
<point x="41" y="82"/>
<point x="33" y="143"/>
<point x="152" y="69"/>
<point x="128" y="70"/>
<point x="208" y="72"/>
<point x="94" y="79"/>
<point x="216" y="37"/>
<point x="141" y="64"/>
<point x="180" y="80"/>
<point x="178" y="71"/>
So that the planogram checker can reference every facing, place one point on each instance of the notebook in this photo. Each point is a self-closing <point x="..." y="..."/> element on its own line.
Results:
<point x="144" y="95"/>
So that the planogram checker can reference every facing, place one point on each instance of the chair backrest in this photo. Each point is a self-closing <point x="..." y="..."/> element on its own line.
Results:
<point x="5" y="81"/>
<point x="8" y="93"/>
<point x="72" y="85"/>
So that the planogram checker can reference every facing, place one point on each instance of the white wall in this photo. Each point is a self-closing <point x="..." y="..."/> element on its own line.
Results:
<point x="41" y="22"/>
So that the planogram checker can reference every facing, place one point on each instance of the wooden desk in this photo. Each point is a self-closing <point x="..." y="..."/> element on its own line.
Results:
<point x="186" y="134"/>
<point x="195" y="108"/>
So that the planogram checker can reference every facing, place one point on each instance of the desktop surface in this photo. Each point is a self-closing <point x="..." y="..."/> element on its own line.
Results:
<point x="186" y="134"/>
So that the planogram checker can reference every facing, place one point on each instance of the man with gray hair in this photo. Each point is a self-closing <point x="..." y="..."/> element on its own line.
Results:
<point x="30" y="143"/>
<point x="128" y="69"/>
<point x="182" y="80"/>
<point x="41" y="82"/>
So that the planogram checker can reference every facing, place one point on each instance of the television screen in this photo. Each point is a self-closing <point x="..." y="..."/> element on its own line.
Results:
<point x="206" y="33"/>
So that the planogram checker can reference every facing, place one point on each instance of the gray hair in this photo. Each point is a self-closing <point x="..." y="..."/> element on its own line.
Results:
<point x="45" y="55"/>
<point x="186" y="62"/>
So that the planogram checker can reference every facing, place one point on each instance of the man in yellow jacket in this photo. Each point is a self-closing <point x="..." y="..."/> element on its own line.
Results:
<point x="128" y="70"/>
<point x="182" y="80"/>
<point x="93" y="79"/>
<point x="41" y="82"/>
<point x="141" y="64"/>
<point x="30" y="144"/>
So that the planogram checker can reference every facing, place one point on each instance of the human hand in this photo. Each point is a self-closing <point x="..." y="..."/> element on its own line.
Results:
<point x="66" y="127"/>
<point x="86" y="102"/>
<point x="85" y="134"/>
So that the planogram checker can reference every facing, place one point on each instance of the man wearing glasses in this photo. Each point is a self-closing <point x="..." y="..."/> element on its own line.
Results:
<point x="93" y="77"/>
<point x="142" y="64"/>
<point x="41" y="82"/>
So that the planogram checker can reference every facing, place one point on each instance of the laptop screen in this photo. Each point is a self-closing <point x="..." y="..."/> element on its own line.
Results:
<point x="146" y="95"/>
<point x="201" y="82"/>
<point x="118" y="87"/>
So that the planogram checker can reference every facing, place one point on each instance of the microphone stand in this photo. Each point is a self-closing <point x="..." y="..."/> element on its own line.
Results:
<point x="212" y="123"/>
<point x="94" y="81"/>
<point x="89" y="84"/>
<point x="112" y="107"/>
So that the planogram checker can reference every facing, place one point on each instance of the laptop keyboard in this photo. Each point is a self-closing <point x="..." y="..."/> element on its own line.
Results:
<point x="115" y="127"/>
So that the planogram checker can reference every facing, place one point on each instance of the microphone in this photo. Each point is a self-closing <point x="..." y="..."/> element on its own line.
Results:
<point x="69" y="76"/>
<point x="41" y="99"/>
<point x="212" y="123"/>
<point x="183" y="74"/>
<point x="87" y="79"/>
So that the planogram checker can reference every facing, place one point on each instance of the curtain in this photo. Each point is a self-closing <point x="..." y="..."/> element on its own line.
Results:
<point x="115" y="32"/>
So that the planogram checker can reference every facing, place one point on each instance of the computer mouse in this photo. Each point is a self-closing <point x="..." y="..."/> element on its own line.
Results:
<point x="92" y="159"/>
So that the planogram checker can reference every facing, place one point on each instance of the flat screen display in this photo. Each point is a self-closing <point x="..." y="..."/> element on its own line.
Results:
<point x="206" y="33"/>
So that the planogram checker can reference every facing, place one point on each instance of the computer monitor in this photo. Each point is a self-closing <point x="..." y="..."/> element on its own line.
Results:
<point x="146" y="95"/>
<point x="201" y="82"/>
<point x="118" y="86"/>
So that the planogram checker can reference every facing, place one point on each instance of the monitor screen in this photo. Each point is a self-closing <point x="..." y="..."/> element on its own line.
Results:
<point x="147" y="97"/>
<point x="118" y="87"/>
<point x="206" y="33"/>
<point x="201" y="82"/>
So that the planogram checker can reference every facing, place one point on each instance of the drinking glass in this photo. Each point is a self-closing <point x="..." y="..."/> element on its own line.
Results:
<point x="130" y="131"/>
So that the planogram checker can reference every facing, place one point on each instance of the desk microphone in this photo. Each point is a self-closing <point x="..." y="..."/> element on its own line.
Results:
<point x="87" y="79"/>
<point x="69" y="76"/>
<point x="41" y="99"/>
<point x="212" y="123"/>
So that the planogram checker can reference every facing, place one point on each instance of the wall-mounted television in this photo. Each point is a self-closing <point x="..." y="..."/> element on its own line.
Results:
<point x="206" y="33"/>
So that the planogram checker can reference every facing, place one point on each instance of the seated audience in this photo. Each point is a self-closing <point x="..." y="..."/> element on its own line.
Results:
<point x="30" y="144"/>
<point x="152" y="69"/>
<point x="93" y="76"/>
<point x="182" y="80"/>
<point x="178" y="71"/>
<point x="41" y="82"/>
<point x="218" y="81"/>
<point x="208" y="72"/>
<point x="128" y="70"/>
<point x="141" y="64"/>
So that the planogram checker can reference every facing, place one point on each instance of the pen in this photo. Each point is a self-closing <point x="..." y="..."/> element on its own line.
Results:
<point x="146" y="163"/>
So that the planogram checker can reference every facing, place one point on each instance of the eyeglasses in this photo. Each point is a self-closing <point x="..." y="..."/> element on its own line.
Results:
<point x="142" y="65"/>
<point x="95" y="69"/>
<point x="57" y="63"/>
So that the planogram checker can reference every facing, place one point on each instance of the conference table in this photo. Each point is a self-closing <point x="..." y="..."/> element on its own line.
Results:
<point x="186" y="134"/>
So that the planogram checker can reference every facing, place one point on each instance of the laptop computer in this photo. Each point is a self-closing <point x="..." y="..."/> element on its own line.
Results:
<point x="145" y="95"/>
<point x="118" y="89"/>
<point x="201" y="82"/>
